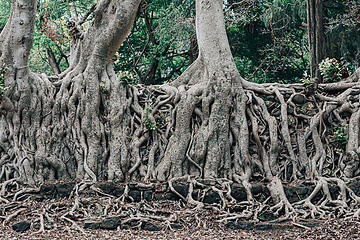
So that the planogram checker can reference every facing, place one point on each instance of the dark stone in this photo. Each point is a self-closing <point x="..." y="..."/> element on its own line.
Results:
<point x="182" y="189"/>
<point x="118" y="191"/>
<point x="288" y="192"/>
<point x="92" y="224"/>
<point x="244" y="226"/>
<point x="21" y="226"/>
<point x="151" y="227"/>
<point x="263" y="227"/>
<point x="302" y="191"/>
<point x="355" y="186"/>
<point x="176" y="226"/>
<point x="164" y="196"/>
<point x="48" y="190"/>
<point x="110" y="223"/>
<point x="299" y="98"/>
<point x="212" y="197"/>
<point x="106" y="187"/>
<point x="148" y="195"/>
<point x="64" y="189"/>
<point x="238" y="193"/>
<point x="231" y="225"/>
<point x="256" y="189"/>
<point x="136" y="195"/>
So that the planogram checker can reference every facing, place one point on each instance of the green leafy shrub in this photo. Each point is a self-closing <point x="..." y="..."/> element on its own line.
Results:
<point x="330" y="70"/>
<point x="340" y="134"/>
<point x="125" y="77"/>
<point x="306" y="80"/>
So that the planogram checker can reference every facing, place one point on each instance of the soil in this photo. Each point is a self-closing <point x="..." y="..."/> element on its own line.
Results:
<point x="93" y="221"/>
<point x="333" y="229"/>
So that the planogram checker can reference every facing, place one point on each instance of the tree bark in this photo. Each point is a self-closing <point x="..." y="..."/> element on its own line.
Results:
<point x="317" y="44"/>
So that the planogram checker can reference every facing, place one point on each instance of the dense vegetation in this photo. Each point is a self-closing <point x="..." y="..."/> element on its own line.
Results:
<point x="268" y="39"/>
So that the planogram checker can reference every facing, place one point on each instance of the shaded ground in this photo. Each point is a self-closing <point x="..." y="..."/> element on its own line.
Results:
<point x="193" y="224"/>
<point x="336" y="229"/>
<point x="58" y="211"/>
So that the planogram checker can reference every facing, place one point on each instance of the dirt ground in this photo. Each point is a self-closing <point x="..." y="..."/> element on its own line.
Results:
<point x="326" y="230"/>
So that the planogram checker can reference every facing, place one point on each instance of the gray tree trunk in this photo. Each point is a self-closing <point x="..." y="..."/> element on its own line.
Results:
<point x="317" y="44"/>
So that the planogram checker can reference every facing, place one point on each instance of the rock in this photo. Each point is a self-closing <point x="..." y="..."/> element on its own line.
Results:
<point x="238" y="193"/>
<point x="21" y="226"/>
<point x="212" y="197"/>
<point x="110" y="223"/>
<point x="118" y="191"/>
<point x="136" y="195"/>
<point x="176" y="226"/>
<point x="148" y="195"/>
<point x="106" y="187"/>
<point x="163" y="196"/>
<point x="182" y="189"/>
<point x="355" y="186"/>
<point x="263" y="227"/>
<point x="299" y="98"/>
<point x="64" y="189"/>
<point x="244" y="226"/>
<point x="151" y="227"/>
<point x="231" y="225"/>
<point x="92" y="224"/>
<point x="48" y="190"/>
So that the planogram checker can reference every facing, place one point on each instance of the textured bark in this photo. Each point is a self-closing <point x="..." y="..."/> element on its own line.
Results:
<point x="210" y="123"/>
<point x="316" y="35"/>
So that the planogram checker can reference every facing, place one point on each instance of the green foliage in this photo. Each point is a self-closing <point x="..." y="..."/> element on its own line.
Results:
<point x="2" y="79"/>
<point x="306" y="80"/>
<point x="330" y="70"/>
<point x="269" y="47"/>
<point x="340" y="134"/>
<point x="103" y="88"/>
<point x="5" y="7"/>
<point x="51" y="33"/>
<point x="147" y="120"/>
<point x="125" y="77"/>
<point x="164" y="57"/>
<point x="159" y="118"/>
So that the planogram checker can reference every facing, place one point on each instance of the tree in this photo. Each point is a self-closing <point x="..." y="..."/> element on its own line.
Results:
<point x="209" y="123"/>
<point x="316" y="35"/>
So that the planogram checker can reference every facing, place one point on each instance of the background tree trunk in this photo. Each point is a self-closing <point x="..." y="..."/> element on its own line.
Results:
<point x="317" y="44"/>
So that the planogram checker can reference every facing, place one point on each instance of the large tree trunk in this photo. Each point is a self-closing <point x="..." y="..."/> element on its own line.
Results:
<point x="317" y="43"/>
<point x="56" y="130"/>
<point x="209" y="123"/>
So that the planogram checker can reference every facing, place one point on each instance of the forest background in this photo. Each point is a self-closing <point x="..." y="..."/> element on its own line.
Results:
<point x="268" y="39"/>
